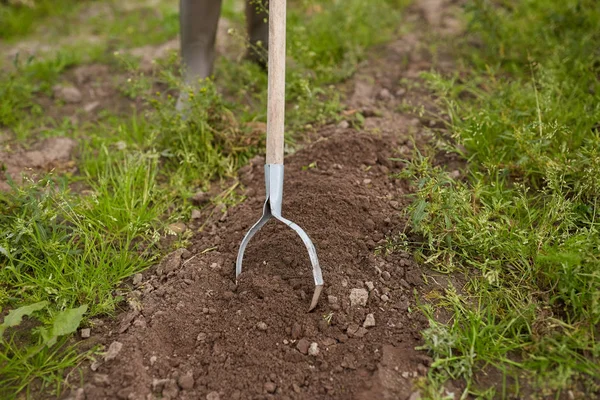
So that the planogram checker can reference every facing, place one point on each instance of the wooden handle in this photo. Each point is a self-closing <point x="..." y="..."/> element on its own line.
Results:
<point x="276" y="89"/>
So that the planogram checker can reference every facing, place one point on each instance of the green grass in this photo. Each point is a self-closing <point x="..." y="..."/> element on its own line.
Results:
<point x="68" y="249"/>
<point x="522" y="227"/>
<point x="23" y="17"/>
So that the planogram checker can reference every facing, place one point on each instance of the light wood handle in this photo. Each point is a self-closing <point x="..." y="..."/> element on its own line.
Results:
<point x="276" y="89"/>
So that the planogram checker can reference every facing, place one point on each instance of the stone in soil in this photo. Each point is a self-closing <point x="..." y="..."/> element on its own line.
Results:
<point x="186" y="382"/>
<point x="270" y="387"/>
<point x="303" y="346"/>
<point x="213" y="396"/>
<point x="113" y="351"/>
<point x="369" y="321"/>
<point x="262" y="326"/>
<point x="68" y="94"/>
<point x="313" y="350"/>
<point x="359" y="297"/>
<point x="85" y="333"/>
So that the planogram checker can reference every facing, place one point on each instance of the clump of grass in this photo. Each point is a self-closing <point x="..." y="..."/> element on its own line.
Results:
<point x="523" y="224"/>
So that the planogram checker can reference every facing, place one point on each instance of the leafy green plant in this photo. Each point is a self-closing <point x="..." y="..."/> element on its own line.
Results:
<point x="46" y="354"/>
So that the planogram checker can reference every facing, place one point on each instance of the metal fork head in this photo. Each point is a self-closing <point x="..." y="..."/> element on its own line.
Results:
<point x="272" y="208"/>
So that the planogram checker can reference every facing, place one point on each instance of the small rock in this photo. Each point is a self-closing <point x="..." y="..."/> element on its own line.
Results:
<point x="329" y="342"/>
<point x="385" y="298"/>
<point x="261" y="326"/>
<point x="386" y="275"/>
<point x="351" y="330"/>
<point x="405" y="374"/>
<point x="113" y="350"/>
<point x="178" y="228"/>
<point x="95" y="365"/>
<point x="395" y="205"/>
<point x="85" y="333"/>
<point x="125" y="393"/>
<point x="137" y="279"/>
<point x="370" y="286"/>
<point x="360" y="332"/>
<point x="91" y="106"/>
<point x="213" y="396"/>
<point x="313" y="350"/>
<point x="358" y="297"/>
<point x="332" y="299"/>
<point x="200" y="198"/>
<point x="296" y="331"/>
<point x="227" y="295"/>
<point x="303" y="346"/>
<point x="270" y="387"/>
<point x="369" y="321"/>
<point x="400" y="92"/>
<point x="367" y="181"/>
<point x="201" y="337"/>
<point x="153" y="360"/>
<point x="196" y="214"/>
<point x="421" y="369"/>
<point x="385" y="94"/>
<point x="68" y="94"/>
<point x="296" y="388"/>
<point x="186" y="382"/>
<point x="344" y="125"/>
<point x="455" y="174"/>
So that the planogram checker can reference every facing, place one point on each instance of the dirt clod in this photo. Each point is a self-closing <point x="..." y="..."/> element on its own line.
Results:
<point x="261" y="326"/>
<point x="85" y="333"/>
<point x="186" y="382"/>
<point x="359" y="297"/>
<point x="213" y="396"/>
<point x="270" y="387"/>
<point x="137" y="279"/>
<point x="170" y="390"/>
<point x="303" y="346"/>
<point x="296" y="331"/>
<point x="113" y="351"/>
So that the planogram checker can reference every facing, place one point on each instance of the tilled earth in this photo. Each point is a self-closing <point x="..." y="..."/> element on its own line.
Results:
<point x="195" y="334"/>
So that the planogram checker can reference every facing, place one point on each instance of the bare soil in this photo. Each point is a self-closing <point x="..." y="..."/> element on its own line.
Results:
<point x="246" y="341"/>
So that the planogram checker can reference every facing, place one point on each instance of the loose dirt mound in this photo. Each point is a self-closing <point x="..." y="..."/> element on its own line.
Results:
<point x="197" y="333"/>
